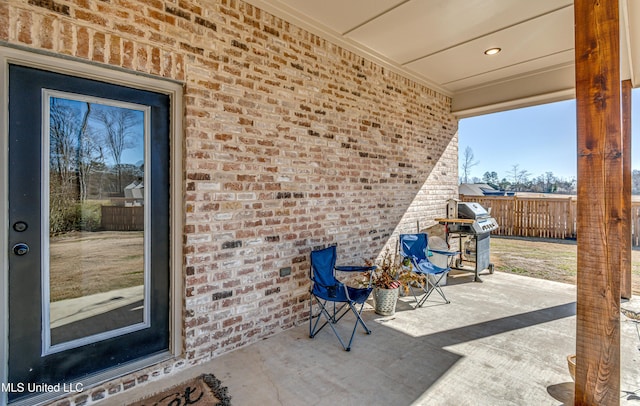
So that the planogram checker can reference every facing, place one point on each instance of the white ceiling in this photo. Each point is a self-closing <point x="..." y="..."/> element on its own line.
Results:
<point x="441" y="43"/>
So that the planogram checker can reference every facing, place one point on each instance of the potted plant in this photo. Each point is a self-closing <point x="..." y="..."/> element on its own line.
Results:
<point x="389" y="276"/>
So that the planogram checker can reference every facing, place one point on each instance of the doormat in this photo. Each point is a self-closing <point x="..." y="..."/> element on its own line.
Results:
<point x="204" y="390"/>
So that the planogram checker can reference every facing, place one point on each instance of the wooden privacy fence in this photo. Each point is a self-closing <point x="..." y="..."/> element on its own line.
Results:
<point x="541" y="216"/>
<point x="120" y="218"/>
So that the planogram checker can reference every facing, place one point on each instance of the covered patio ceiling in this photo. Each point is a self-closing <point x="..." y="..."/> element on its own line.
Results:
<point x="441" y="43"/>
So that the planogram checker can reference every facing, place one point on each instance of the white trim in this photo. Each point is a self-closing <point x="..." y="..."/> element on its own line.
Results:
<point x="516" y="104"/>
<point x="4" y="226"/>
<point x="176" y="215"/>
<point x="625" y="32"/>
<point x="114" y="75"/>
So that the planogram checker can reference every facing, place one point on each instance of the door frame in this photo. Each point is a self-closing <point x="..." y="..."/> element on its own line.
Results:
<point x="73" y="67"/>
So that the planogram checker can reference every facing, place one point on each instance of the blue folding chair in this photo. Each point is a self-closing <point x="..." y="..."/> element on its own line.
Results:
<point x="414" y="247"/>
<point x="333" y="299"/>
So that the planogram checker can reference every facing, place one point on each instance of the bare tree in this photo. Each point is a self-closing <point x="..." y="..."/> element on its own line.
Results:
<point x="85" y="153"/>
<point x="67" y="131"/>
<point x="118" y="134"/>
<point x="550" y="182"/>
<point x="519" y="177"/>
<point x="63" y="125"/>
<point x="468" y="162"/>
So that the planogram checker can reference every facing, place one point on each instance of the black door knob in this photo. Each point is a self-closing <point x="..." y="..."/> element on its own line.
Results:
<point x="20" y="249"/>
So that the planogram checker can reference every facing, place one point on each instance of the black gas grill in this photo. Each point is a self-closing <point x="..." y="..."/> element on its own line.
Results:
<point x="472" y="225"/>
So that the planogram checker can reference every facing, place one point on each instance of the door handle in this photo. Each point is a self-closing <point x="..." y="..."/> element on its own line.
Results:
<point x="20" y="249"/>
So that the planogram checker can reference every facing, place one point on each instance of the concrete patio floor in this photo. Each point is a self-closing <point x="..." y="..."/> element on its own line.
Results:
<point x="500" y="342"/>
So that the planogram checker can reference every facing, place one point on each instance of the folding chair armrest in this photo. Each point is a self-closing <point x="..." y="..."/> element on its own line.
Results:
<point x="448" y="253"/>
<point x="363" y="268"/>
<point x="348" y="268"/>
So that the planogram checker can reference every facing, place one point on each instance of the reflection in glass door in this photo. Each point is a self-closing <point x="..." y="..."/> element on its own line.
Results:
<point x="94" y="276"/>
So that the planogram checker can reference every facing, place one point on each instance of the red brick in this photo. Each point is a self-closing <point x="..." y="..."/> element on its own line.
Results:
<point x="127" y="54"/>
<point x="231" y="321"/>
<point x="66" y="37"/>
<point x="162" y="17"/>
<point x="142" y="58"/>
<point x="46" y="32"/>
<point x="167" y="64"/>
<point x="155" y="61"/>
<point x="24" y="24"/>
<point x="159" y="4"/>
<point x="98" y="47"/>
<point x="4" y="21"/>
<point x="132" y="30"/>
<point x="115" y="50"/>
<point x="83" y="40"/>
<point x="82" y="3"/>
<point x="146" y="24"/>
<point x="90" y="17"/>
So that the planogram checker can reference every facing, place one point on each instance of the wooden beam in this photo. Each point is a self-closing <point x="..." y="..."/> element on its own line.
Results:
<point x="597" y="54"/>
<point x="625" y="266"/>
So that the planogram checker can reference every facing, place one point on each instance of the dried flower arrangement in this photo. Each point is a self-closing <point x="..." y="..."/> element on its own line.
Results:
<point x="391" y="273"/>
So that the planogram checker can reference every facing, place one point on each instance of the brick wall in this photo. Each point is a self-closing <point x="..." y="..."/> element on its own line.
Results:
<point x="291" y="143"/>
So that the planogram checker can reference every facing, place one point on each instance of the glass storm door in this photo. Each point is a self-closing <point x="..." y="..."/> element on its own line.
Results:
<point x="89" y="227"/>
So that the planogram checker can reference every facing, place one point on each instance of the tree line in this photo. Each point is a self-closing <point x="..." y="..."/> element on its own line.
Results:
<point x="518" y="179"/>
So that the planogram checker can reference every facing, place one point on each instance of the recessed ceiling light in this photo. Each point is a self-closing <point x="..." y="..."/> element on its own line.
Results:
<point x="492" y="51"/>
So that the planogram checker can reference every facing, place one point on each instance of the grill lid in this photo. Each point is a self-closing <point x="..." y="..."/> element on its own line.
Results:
<point x="470" y="210"/>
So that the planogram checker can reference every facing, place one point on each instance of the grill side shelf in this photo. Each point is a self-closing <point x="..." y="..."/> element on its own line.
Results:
<point x="458" y="221"/>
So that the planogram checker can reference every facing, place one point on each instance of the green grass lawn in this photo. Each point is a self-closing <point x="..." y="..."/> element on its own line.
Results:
<point x="546" y="259"/>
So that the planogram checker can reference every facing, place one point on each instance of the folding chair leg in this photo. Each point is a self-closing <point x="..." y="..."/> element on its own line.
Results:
<point x="431" y="287"/>
<point x="332" y="318"/>
<point x="428" y="289"/>
<point x="438" y="289"/>
<point x="360" y="321"/>
<point x="311" y="317"/>
<point x="313" y="327"/>
<point x="420" y="301"/>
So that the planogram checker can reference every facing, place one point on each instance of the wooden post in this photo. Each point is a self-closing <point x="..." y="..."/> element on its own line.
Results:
<point x="597" y="53"/>
<point x="625" y="268"/>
